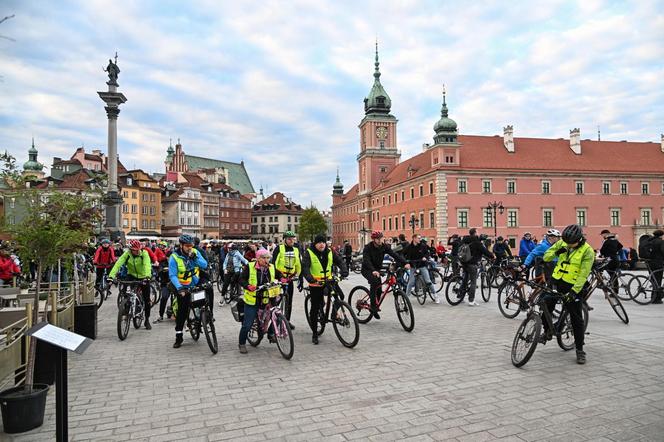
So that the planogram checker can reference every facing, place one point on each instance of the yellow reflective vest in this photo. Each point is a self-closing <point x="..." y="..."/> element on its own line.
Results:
<point x="288" y="265"/>
<point x="250" y="297"/>
<point x="185" y="277"/>
<point x="573" y="266"/>
<point x="316" y="268"/>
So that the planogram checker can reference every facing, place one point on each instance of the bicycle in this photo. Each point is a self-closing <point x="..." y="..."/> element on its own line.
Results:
<point x="200" y="317"/>
<point x="271" y="317"/>
<point x="361" y="302"/>
<point x="130" y="308"/>
<point x="421" y="288"/>
<point x="642" y="288"/>
<point x="485" y="284"/>
<point x="102" y="290"/>
<point x="338" y="312"/>
<point x="597" y="281"/>
<point x="233" y="291"/>
<point x="528" y="335"/>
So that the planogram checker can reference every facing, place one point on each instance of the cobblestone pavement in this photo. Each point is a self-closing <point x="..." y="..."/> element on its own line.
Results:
<point x="451" y="378"/>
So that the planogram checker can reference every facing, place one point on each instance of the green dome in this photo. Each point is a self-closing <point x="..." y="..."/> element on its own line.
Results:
<point x="445" y="128"/>
<point x="445" y="124"/>
<point x="377" y="102"/>
<point x="32" y="163"/>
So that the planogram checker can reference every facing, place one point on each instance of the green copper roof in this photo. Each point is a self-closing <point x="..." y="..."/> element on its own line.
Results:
<point x="32" y="163"/>
<point x="445" y="128"/>
<point x="338" y="187"/>
<point x="237" y="174"/>
<point x="170" y="151"/>
<point x="377" y="102"/>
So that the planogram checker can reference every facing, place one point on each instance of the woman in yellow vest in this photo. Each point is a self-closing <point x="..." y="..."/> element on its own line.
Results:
<point x="317" y="263"/>
<point x="254" y="275"/>
<point x="575" y="262"/>
<point x="286" y="259"/>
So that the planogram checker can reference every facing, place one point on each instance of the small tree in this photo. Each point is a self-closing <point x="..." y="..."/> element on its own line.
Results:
<point x="55" y="224"/>
<point x="311" y="223"/>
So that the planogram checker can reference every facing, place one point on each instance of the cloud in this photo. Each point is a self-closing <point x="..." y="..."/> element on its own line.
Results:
<point x="281" y="85"/>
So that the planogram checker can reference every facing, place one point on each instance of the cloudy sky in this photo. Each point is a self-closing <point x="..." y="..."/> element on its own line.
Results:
<point x="280" y="84"/>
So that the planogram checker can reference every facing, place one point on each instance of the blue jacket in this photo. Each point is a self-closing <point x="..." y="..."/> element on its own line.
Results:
<point x="190" y="264"/>
<point x="537" y="252"/>
<point x="526" y="246"/>
<point x="238" y="260"/>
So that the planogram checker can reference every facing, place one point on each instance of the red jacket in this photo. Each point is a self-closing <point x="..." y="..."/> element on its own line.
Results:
<point x="7" y="268"/>
<point x="153" y="258"/>
<point x="104" y="259"/>
<point x="160" y="255"/>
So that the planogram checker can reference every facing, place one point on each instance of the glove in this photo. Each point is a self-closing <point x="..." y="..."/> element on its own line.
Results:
<point x="561" y="250"/>
<point x="569" y="296"/>
<point x="251" y="288"/>
<point x="284" y="280"/>
<point x="183" y="291"/>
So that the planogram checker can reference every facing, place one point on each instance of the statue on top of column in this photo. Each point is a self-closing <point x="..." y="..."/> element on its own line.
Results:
<point x="113" y="71"/>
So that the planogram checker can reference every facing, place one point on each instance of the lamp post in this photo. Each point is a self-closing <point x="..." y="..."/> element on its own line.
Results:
<point x="364" y="232"/>
<point x="413" y="222"/>
<point x="493" y="206"/>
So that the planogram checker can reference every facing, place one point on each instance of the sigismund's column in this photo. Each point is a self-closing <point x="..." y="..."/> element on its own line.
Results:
<point x="113" y="100"/>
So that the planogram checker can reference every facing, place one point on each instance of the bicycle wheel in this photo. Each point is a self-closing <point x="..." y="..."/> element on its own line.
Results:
<point x="404" y="310"/>
<point x="155" y="294"/>
<point x="123" y="323"/>
<point x="359" y="299"/>
<point x="526" y="339"/>
<point x="485" y="287"/>
<point x="623" y="287"/>
<point x="641" y="289"/>
<point x="357" y="268"/>
<point x="565" y="332"/>
<point x="208" y="328"/>
<point x="437" y="280"/>
<point x="420" y="293"/>
<point x="498" y="278"/>
<point x="220" y="286"/>
<point x="194" y="325"/>
<point x="509" y="300"/>
<point x="139" y="313"/>
<point x="307" y="312"/>
<point x="345" y="324"/>
<point x="99" y="296"/>
<point x="453" y="291"/>
<point x="616" y="305"/>
<point x="284" y="336"/>
<point x="255" y="335"/>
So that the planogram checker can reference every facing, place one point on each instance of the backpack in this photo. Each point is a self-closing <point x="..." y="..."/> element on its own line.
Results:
<point x="230" y="266"/>
<point x="465" y="254"/>
<point x="646" y="247"/>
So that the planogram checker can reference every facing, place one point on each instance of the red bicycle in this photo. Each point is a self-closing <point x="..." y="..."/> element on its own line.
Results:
<point x="361" y="303"/>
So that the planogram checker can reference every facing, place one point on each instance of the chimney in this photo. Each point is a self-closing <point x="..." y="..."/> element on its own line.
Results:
<point x="662" y="142"/>
<point x="425" y="146"/>
<point x="508" y="138"/>
<point x="96" y="152"/>
<point x="575" y="140"/>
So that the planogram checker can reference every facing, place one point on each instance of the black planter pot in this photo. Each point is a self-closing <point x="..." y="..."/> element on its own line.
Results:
<point x="23" y="411"/>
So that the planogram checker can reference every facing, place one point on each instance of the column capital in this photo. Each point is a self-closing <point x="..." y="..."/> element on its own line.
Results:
<point x="112" y="112"/>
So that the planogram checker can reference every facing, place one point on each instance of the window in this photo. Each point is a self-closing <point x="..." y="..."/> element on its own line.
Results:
<point x="462" y="186"/>
<point x="389" y="199"/>
<point x="389" y="223"/>
<point x="383" y="201"/>
<point x="125" y="208"/>
<point x="144" y="224"/>
<point x="487" y="217"/>
<point x="383" y="169"/>
<point x="130" y="181"/>
<point x="421" y="220"/>
<point x="511" y="186"/>
<point x="396" y="223"/>
<point x="615" y="217"/>
<point x="145" y="197"/>
<point x="133" y="195"/>
<point x="432" y="219"/>
<point x="395" y="198"/>
<point x="383" y="223"/>
<point x="462" y="218"/>
<point x="133" y="224"/>
<point x="153" y="197"/>
<point x="606" y="187"/>
<point x="412" y="192"/>
<point x="403" y="193"/>
<point x="646" y="217"/>
<point x="134" y="208"/>
<point x="431" y="187"/>
<point x="581" y="217"/>
<point x="579" y="187"/>
<point x="512" y="218"/>
<point x="125" y="194"/>
<point x="547" y="218"/>
<point x="12" y="203"/>
<point x="546" y="187"/>
<point x="403" y="221"/>
<point x="486" y="186"/>
<point x="421" y="190"/>
<point x="144" y="210"/>
<point x="381" y="144"/>
<point x="645" y="188"/>
<point x="623" y="188"/>
<point x="125" y="222"/>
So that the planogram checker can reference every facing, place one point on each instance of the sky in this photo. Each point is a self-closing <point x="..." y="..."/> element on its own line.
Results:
<point x="280" y="84"/>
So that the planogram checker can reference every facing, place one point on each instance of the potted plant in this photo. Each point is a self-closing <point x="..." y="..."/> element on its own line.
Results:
<point x="47" y="225"/>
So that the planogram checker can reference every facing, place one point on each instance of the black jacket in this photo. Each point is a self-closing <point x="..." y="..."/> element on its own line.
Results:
<point x="477" y="249"/>
<point x="658" y="251"/>
<point x="415" y="252"/>
<point x="322" y="257"/>
<point x="372" y="257"/>
<point x="611" y="248"/>
<point x="348" y="250"/>
<point x="455" y="243"/>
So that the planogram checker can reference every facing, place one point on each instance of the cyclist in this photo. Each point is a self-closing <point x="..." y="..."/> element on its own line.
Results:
<point x="8" y="266"/>
<point x="656" y="262"/>
<point x="552" y="236"/>
<point x="205" y="275"/>
<point x="184" y="268"/>
<point x="575" y="262"/>
<point x="163" y="251"/>
<point x="477" y="250"/>
<point x="501" y="250"/>
<point x="317" y="265"/>
<point x="372" y="261"/>
<point x="286" y="259"/>
<point x="348" y="253"/>
<point x="103" y="260"/>
<point x="233" y="263"/>
<point x="417" y="254"/>
<point x="611" y="249"/>
<point x="454" y="242"/>
<point x="526" y="246"/>
<point x="139" y="268"/>
<point x="255" y="274"/>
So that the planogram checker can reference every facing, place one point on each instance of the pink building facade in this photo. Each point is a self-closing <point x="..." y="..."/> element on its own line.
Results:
<point x="540" y="183"/>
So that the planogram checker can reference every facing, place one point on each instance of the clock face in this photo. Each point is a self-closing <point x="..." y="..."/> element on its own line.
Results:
<point x="381" y="132"/>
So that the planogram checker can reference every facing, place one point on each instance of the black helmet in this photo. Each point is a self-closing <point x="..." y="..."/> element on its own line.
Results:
<point x="572" y="234"/>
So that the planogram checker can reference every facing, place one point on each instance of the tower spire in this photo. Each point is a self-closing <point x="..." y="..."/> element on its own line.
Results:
<point x="443" y="109"/>
<point x="377" y="64"/>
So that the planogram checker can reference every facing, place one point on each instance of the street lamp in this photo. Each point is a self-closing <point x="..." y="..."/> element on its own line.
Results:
<point x="492" y="206"/>
<point x="413" y="222"/>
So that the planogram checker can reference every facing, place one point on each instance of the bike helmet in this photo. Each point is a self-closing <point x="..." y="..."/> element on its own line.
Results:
<point x="289" y="234"/>
<point x="499" y="239"/>
<point x="572" y="234"/>
<point x="232" y="246"/>
<point x="376" y="234"/>
<point x="163" y="243"/>
<point x="186" y="239"/>
<point x="105" y="241"/>
<point x="135" y="244"/>
<point x="197" y="240"/>
<point x="553" y="232"/>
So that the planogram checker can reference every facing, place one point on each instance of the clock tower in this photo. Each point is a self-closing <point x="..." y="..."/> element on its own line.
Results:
<point x="378" y="136"/>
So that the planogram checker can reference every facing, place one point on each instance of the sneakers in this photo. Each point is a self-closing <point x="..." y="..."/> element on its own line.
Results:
<point x="242" y="348"/>
<point x="472" y="304"/>
<point x="580" y="357"/>
<point x="159" y="319"/>
<point x="292" y="327"/>
<point x="178" y="341"/>
<point x="376" y="315"/>
<point x="590" y="308"/>
<point x="147" y="325"/>
<point x="657" y="301"/>
<point x="436" y="299"/>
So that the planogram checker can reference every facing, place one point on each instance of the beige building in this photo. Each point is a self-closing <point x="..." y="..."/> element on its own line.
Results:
<point x="141" y="206"/>
<point x="273" y="216"/>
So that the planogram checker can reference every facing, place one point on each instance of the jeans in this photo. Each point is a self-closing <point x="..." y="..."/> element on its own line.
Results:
<point x="250" y="313"/>
<point x="425" y="275"/>
<point x="469" y="282"/>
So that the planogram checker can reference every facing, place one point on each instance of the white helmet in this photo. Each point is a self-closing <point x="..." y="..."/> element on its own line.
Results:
<point x="553" y="232"/>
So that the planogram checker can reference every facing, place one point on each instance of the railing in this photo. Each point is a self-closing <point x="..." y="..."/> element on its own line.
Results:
<point x="14" y="350"/>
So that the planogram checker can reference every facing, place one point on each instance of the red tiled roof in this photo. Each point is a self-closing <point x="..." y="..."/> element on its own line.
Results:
<point x="193" y="179"/>
<point x="280" y="199"/>
<point x="173" y="196"/>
